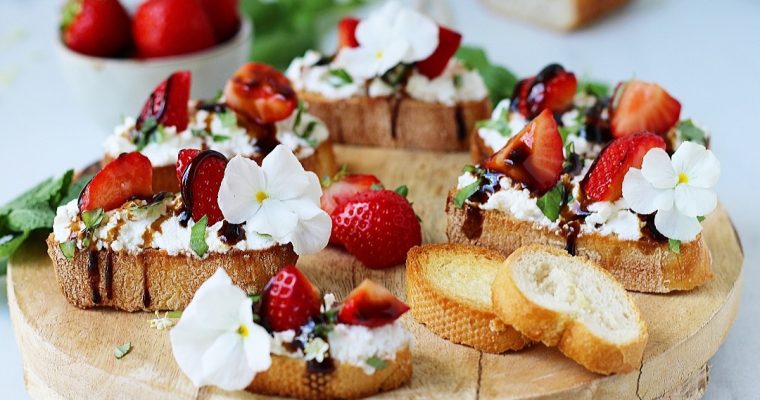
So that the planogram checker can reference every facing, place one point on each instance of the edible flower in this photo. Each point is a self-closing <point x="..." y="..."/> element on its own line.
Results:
<point x="679" y="190"/>
<point x="216" y="341"/>
<point x="278" y="198"/>
<point x="391" y="36"/>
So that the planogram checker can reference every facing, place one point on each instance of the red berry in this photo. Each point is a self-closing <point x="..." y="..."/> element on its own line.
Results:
<point x="448" y="43"/>
<point x="184" y="158"/>
<point x="371" y="305"/>
<point x="200" y="186"/>
<point x="261" y="93"/>
<point x="604" y="180"/>
<point x="553" y="88"/>
<point x="98" y="28"/>
<point x="167" y="104"/>
<point x="377" y="227"/>
<point x="164" y="28"/>
<point x="289" y="300"/>
<point x="347" y="32"/>
<point x="642" y="107"/>
<point x="128" y="176"/>
<point x="533" y="156"/>
<point x="338" y="192"/>
<point x="224" y="16"/>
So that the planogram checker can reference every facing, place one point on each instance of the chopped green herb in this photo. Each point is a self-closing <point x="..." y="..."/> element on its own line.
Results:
<point x="596" y="88"/>
<point x="397" y="74"/>
<point x="146" y="132"/>
<point x="473" y="169"/>
<point x="403" y="190"/>
<point x="299" y="113"/>
<point x="92" y="218"/>
<point x="457" y="81"/>
<point x="691" y="132"/>
<point x="552" y="201"/>
<point x="68" y="248"/>
<point x="220" y="138"/>
<point x="700" y="218"/>
<point x="465" y="193"/>
<point x="255" y="297"/>
<point x="120" y="351"/>
<point x="200" y="133"/>
<point x="339" y="77"/>
<point x="377" y="362"/>
<point x="228" y="119"/>
<point x="674" y="246"/>
<point x="572" y="160"/>
<point x="500" y="124"/>
<point x="218" y="97"/>
<point x="198" y="237"/>
<point x="174" y="314"/>
<point x="565" y="131"/>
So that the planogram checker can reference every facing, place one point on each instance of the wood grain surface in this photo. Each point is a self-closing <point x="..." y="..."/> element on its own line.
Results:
<point x="68" y="352"/>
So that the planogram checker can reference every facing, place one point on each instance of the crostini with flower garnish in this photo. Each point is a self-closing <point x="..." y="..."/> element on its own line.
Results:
<point x="124" y="245"/>
<point x="393" y="82"/>
<point x="293" y="341"/>
<point x="633" y="200"/>
<point x="257" y="110"/>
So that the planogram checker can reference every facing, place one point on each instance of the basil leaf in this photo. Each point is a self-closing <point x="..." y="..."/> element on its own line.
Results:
<point x="198" y="237"/>
<point x="220" y="138"/>
<point x="120" y="351"/>
<point x="691" y="133"/>
<point x="92" y="218"/>
<point x="551" y="202"/>
<point x="339" y="77"/>
<point x="674" y="246"/>
<point x="228" y="119"/>
<point x="596" y="88"/>
<point x="465" y="193"/>
<point x="377" y="362"/>
<point x="68" y="248"/>
<point x="499" y="80"/>
<point x="700" y="218"/>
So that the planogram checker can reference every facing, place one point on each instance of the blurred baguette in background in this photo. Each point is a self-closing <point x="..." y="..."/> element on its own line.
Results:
<point x="557" y="14"/>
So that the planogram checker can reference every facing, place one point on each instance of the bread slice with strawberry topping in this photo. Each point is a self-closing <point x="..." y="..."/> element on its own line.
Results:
<point x="257" y="110"/>
<point x="409" y="93"/>
<point x="124" y="245"/>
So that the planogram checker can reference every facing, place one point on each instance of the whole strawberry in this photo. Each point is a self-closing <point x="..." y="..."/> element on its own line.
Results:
<point x="98" y="28"/>
<point x="170" y="27"/>
<point x="378" y="227"/>
<point x="224" y="17"/>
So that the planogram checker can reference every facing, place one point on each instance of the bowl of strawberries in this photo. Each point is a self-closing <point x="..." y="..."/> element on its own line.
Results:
<point x="111" y="55"/>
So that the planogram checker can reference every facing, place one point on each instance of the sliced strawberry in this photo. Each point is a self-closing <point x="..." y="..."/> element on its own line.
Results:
<point x="261" y="93"/>
<point x="377" y="227"/>
<point x="341" y="190"/>
<point x="448" y="43"/>
<point x="128" y="176"/>
<point x="520" y="93"/>
<point x="167" y="105"/>
<point x="200" y="186"/>
<point x="642" y="107"/>
<point x="604" y="180"/>
<point x="289" y="300"/>
<point x="553" y="88"/>
<point x="371" y="305"/>
<point x="347" y="32"/>
<point x="533" y="157"/>
<point x="184" y="158"/>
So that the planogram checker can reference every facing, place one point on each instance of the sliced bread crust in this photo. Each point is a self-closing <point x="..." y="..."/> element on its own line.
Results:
<point x="399" y="123"/>
<point x="290" y="377"/>
<point x="557" y="14"/>
<point x="452" y="317"/>
<point x="642" y="265"/>
<point x="567" y="331"/>
<point x="153" y="280"/>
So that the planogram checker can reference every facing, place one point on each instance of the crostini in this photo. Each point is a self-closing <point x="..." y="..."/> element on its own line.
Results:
<point x="632" y="202"/>
<point x="394" y="83"/>
<point x="291" y="341"/>
<point x="126" y="246"/>
<point x="257" y="110"/>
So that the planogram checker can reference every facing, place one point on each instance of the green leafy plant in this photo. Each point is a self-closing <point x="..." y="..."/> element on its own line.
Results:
<point x="499" y="80"/>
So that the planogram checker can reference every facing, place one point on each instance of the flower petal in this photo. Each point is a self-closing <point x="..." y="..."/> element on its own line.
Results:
<point x="658" y="170"/>
<point x="374" y="31"/>
<point x="675" y="225"/>
<point x="243" y="178"/>
<point x="225" y="363"/>
<point x="257" y="347"/>
<point x="695" y="201"/>
<point x="419" y="31"/>
<point x="359" y="62"/>
<point x="642" y="197"/>
<point x="699" y="164"/>
<point x="275" y="218"/>
<point x="285" y="175"/>
<point x="313" y="234"/>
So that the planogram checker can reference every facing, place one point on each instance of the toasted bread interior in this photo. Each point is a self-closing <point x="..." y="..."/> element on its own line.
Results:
<point x="466" y="276"/>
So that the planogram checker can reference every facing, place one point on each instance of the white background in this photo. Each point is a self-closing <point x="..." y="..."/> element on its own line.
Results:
<point x="706" y="53"/>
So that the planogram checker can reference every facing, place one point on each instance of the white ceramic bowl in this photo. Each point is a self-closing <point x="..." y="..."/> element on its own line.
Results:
<point x="109" y="89"/>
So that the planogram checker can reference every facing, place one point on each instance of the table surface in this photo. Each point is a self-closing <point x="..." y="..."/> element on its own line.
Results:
<point x="705" y="53"/>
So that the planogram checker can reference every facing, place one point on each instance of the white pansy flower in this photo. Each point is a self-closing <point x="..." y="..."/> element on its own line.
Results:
<point x="679" y="189"/>
<point x="391" y="36"/>
<point x="216" y="342"/>
<point x="316" y="349"/>
<point x="278" y="198"/>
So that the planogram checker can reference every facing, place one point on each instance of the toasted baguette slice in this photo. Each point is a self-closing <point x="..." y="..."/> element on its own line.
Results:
<point x="572" y="303"/>
<point x="289" y="377"/>
<point x="400" y="123"/>
<point x="322" y="163"/>
<point x="479" y="150"/>
<point x="643" y="265"/>
<point x="154" y="280"/>
<point x="448" y="288"/>
<point x="557" y="14"/>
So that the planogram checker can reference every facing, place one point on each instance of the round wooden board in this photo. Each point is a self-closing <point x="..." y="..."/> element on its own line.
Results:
<point x="68" y="352"/>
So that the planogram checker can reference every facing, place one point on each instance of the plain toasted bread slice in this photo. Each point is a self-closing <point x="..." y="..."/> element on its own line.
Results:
<point x="290" y="377"/>
<point x="643" y="265"/>
<point x="572" y="303"/>
<point x="448" y="288"/>
<point x="400" y="123"/>
<point x="153" y="280"/>
<point x="557" y="14"/>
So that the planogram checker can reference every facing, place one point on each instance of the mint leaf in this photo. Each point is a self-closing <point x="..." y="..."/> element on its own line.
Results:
<point x="376" y="362"/>
<point x="674" y="246"/>
<point x="68" y="248"/>
<point x="220" y="138"/>
<point x="691" y="133"/>
<point x="596" y="88"/>
<point x="198" y="237"/>
<point x="465" y="193"/>
<point x="499" y="80"/>
<point x="228" y="119"/>
<point x="551" y="202"/>
<point x="76" y="188"/>
<point x="339" y="77"/>
<point x="28" y="219"/>
<point x="92" y="218"/>
<point x="10" y="242"/>
<point x="120" y="351"/>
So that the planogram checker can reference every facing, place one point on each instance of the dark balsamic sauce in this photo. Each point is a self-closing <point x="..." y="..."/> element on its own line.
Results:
<point x="186" y="188"/>
<point x="473" y="223"/>
<point x="649" y="230"/>
<point x="596" y="128"/>
<point x="461" y="124"/>
<point x="266" y="139"/>
<point x="325" y="367"/>
<point x="93" y="275"/>
<point x="218" y="108"/>
<point x="231" y="234"/>
<point x="146" y="285"/>
<point x="109" y="275"/>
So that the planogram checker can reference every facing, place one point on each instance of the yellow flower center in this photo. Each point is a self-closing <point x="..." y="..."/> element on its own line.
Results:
<point x="683" y="178"/>
<point x="379" y="54"/>
<point x="261" y="196"/>
<point x="243" y="330"/>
